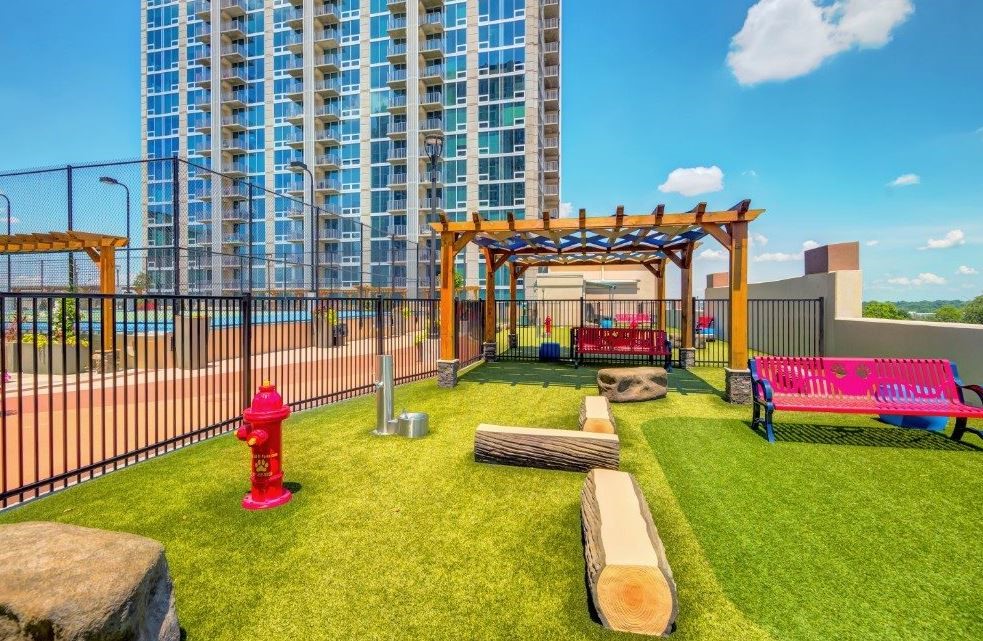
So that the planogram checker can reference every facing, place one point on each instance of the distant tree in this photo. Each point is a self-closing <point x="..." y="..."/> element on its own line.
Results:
<point x="879" y="309"/>
<point x="141" y="282"/>
<point x="948" y="314"/>
<point x="973" y="311"/>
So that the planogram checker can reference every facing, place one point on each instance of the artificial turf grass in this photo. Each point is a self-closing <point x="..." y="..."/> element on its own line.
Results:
<point x="389" y="538"/>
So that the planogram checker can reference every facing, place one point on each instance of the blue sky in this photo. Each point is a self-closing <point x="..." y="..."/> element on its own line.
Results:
<point x="810" y="110"/>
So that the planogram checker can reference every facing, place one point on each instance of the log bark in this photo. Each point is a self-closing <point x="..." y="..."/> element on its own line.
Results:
<point x="596" y="416"/>
<point x="545" y="448"/>
<point x="628" y="576"/>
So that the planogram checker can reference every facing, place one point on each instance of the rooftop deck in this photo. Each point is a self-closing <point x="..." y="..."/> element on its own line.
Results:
<point x="844" y="529"/>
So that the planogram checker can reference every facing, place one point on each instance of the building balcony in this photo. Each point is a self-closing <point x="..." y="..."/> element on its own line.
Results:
<point x="297" y="235"/>
<point x="202" y="102"/>
<point x="551" y="144"/>
<point x="432" y="74"/>
<point x="234" y="146"/>
<point x="551" y="189"/>
<point x="327" y="13"/>
<point x="235" y="238"/>
<point x="234" y="123"/>
<point x="397" y="205"/>
<point x="328" y="88"/>
<point x="235" y="99"/>
<point x="294" y="139"/>
<point x="551" y="168"/>
<point x="551" y="99"/>
<point x="397" y="26"/>
<point x="432" y="48"/>
<point x="328" y="185"/>
<point x="328" y="162"/>
<point x="397" y="78"/>
<point x="295" y="18"/>
<point x="296" y="189"/>
<point x="397" y="156"/>
<point x="397" y="103"/>
<point x="551" y="122"/>
<point x="295" y="117"/>
<point x="396" y="6"/>
<point x="550" y="52"/>
<point x="235" y="75"/>
<point x="397" y="52"/>
<point x="201" y="9"/>
<point x="432" y="22"/>
<point x="204" y="58"/>
<point x="397" y="179"/>
<point x="204" y="127"/>
<point x="329" y="235"/>
<point x="295" y="92"/>
<point x="233" y="53"/>
<point x="202" y="78"/>
<point x="236" y="170"/>
<point x="327" y="38"/>
<point x="295" y="43"/>
<point x="431" y="99"/>
<point x="551" y="76"/>
<point x="397" y="129"/>
<point x="549" y="8"/>
<point x="295" y="68"/>
<point x="551" y="29"/>
<point x="328" y="136"/>
<point x="202" y="148"/>
<point x="234" y="29"/>
<point x="328" y="63"/>
<point x="430" y="125"/>
<point x="397" y="231"/>
<point x="296" y="212"/>
<point x="201" y="239"/>
<point x="329" y="210"/>
<point x="239" y="261"/>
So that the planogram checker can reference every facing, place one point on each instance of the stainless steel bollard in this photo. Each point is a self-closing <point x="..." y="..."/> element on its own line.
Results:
<point x="413" y="424"/>
<point x="385" y="423"/>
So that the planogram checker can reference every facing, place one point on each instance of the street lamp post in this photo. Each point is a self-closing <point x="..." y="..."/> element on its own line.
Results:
<point x="107" y="180"/>
<point x="4" y="196"/>
<point x="434" y="145"/>
<point x="315" y="223"/>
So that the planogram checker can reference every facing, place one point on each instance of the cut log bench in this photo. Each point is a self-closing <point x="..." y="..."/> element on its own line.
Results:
<point x="628" y="577"/>
<point x="549" y="449"/>
<point x="595" y="415"/>
<point x="632" y="384"/>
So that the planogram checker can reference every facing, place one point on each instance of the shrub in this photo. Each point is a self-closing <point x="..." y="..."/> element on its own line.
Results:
<point x="878" y="309"/>
<point x="973" y="311"/>
<point x="948" y="314"/>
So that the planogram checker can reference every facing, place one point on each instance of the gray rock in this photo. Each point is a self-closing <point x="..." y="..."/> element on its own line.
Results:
<point x="67" y="582"/>
<point x="628" y="384"/>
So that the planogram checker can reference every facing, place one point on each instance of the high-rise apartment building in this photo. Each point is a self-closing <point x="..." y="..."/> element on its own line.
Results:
<point x="352" y="89"/>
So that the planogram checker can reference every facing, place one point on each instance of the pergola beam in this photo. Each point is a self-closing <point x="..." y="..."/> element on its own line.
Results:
<point x="572" y="224"/>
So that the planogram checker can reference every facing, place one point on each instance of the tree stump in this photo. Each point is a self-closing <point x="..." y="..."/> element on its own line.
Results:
<point x="628" y="576"/>
<point x="595" y="415"/>
<point x="544" y="448"/>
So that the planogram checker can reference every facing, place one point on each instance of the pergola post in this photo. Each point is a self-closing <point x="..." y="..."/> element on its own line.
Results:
<point x="660" y="295"/>
<point x="107" y="286"/>
<point x="448" y="363"/>
<point x="737" y="375"/>
<point x="687" y="353"/>
<point x="489" y="346"/>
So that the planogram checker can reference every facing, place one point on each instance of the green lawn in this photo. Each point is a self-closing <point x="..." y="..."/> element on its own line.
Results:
<point x="842" y="530"/>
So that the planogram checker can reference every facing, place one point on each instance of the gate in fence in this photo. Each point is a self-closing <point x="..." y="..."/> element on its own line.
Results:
<point x="789" y="327"/>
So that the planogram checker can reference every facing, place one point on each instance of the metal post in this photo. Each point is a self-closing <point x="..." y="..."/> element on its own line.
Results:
<point x="176" y="221"/>
<point x="433" y="234"/>
<point x="380" y="330"/>
<point x="9" y="285"/>
<point x="246" y="310"/>
<point x="249" y="234"/>
<point x="70" y="226"/>
<point x="127" y="251"/>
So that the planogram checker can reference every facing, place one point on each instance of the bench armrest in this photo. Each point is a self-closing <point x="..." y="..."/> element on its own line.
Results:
<point x="974" y="388"/>
<point x="764" y="387"/>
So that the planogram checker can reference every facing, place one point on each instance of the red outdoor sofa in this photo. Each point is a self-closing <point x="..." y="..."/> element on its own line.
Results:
<point x="895" y="386"/>
<point x="620" y="342"/>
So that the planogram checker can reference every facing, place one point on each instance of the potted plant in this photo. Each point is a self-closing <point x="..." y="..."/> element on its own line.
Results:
<point x="191" y="334"/>
<point x="328" y="330"/>
<point x="59" y="351"/>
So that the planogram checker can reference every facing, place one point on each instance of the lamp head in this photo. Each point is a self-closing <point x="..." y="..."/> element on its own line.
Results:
<point x="108" y="180"/>
<point x="298" y="164"/>
<point x="434" y="144"/>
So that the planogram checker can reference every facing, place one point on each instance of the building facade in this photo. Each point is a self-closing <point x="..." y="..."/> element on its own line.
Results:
<point x="352" y="89"/>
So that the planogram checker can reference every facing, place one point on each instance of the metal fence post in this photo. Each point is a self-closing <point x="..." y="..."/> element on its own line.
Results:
<point x="176" y="222"/>
<point x="246" y="311"/>
<point x="70" y="225"/>
<point x="249" y="234"/>
<point x="380" y="328"/>
<point x="822" y="326"/>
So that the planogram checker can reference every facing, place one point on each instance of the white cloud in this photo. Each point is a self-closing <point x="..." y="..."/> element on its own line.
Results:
<point x="783" y="257"/>
<point x="965" y="270"/>
<point x="713" y="254"/>
<point x="783" y="39"/>
<point x="925" y="278"/>
<point x="750" y="173"/>
<point x="566" y="210"/>
<point x="759" y="239"/>
<point x="872" y="243"/>
<point x="692" y="181"/>
<point x="951" y="239"/>
<point x="905" y="180"/>
<point x="13" y="220"/>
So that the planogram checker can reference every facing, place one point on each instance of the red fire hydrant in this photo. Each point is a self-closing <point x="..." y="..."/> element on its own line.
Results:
<point x="548" y="326"/>
<point x="262" y="432"/>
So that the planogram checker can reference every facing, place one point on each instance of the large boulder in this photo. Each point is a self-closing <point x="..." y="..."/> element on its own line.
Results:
<point x="628" y="384"/>
<point x="67" y="582"/>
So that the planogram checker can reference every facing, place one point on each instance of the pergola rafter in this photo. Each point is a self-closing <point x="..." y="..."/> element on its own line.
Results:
<point x="100" y="248"/>
<point x="650" y="240"/>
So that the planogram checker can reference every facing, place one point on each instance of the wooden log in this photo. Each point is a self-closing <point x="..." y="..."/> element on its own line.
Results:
<point x="544" y="448"/>
<point x="628" y="576"/>
<point x="596" y="416"/>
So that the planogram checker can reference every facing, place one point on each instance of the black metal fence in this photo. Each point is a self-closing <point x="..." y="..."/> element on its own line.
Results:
<point x="196" y="231"/>
<point x="93" y="383"/>
<point x="788" y="327"/>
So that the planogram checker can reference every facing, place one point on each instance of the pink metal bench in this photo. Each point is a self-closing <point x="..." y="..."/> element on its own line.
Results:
<point x="621" y="342"/>
<point x="905" y="387"/>
<point x="628" y="319"/>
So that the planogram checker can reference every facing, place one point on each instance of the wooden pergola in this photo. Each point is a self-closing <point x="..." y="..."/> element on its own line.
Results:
<point x="101" y="248"/>
<point x="651" y="240"/>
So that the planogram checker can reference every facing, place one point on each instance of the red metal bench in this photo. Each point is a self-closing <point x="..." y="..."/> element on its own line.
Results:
<point x="905" y="387"/>
<point x="620" y="342"/>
